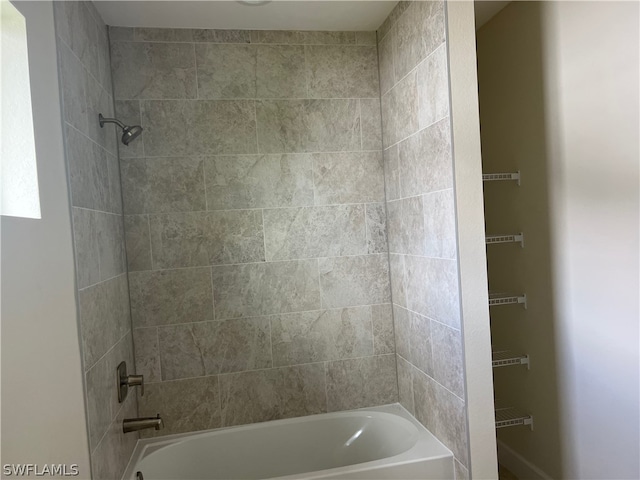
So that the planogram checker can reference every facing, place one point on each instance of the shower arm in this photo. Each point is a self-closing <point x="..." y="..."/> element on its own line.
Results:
<point x="104" y="120"/>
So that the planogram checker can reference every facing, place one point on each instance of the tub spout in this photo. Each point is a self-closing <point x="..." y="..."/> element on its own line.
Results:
<point x="135" y="424"/>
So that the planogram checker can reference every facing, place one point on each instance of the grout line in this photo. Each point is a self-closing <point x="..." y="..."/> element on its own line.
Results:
<point x="263" y="262"/>
<point x="360" y="115"/>
<point x="262" y="154"/>
<point x="250" y="209"/>
<point x="247" y="43"/>
<point x="264" y="236"/>
<point x="159" y="350"/>
<point x="213" y="300"/>
<point x="319" y="362"/>
<point x="242" y="99"/>
<point x="269" y="315"/>
<point x="102" y="281"/>
<point x="195" y="68"/>
<point x="204" y="178"/>
<point x="319" y="284"/>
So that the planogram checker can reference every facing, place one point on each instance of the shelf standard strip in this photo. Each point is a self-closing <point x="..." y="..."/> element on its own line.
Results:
<point x="493" y="177"/>
<point x="506" y="358"/>
<point x="507" y="299"/>
<point x="516" y="238"/>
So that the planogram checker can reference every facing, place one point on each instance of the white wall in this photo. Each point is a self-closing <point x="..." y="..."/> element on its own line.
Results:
<point x="43" y="411"/>
<point x="591" y="79"/>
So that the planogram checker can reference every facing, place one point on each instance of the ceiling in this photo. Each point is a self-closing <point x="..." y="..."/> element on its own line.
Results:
<point x="362" y="15"/>
<point x="487" y="9"/>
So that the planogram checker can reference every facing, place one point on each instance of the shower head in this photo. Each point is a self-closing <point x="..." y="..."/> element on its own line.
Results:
<point x="129" y="132"/>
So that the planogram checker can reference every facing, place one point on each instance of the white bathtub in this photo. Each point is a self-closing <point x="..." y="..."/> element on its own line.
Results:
<point x="375" y="443"/>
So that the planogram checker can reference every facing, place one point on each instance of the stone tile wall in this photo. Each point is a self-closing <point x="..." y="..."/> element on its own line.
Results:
<point x="255" y="223"/>
<point x="421" y="221"/>
<point x="94" y="180"/>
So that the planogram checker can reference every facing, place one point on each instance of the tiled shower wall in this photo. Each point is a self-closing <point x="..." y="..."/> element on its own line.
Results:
<point x="421" y="220"/>
<point x="94" y="179"/>
<point x="255" y="223"/>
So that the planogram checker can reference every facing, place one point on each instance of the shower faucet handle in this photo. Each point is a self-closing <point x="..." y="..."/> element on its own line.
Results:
<point x="125" y="381"/>
<point x="136" y="381"/>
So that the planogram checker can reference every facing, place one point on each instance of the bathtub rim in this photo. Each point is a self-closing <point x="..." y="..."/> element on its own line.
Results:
<point x="426" y="440"/>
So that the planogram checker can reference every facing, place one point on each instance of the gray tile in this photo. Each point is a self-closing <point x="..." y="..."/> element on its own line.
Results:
<point x="211" y="348"/>
<point x="111" y="248"/>
<point x="104" y="317"/>
<point x="432" y="289"/>
<point x="193" y="239"/>
<point x="145" y="341"/>
<point x="328" y="38"/>
<point x="391" y="173"/>
<point x="442" y="413"/>
<point x="440" y="224"/>
<point x="336" y="71"/>
<point x="361" y="382"/>
<point x="383" y="337"/>
<point x="425" y="401"/>
<point x="308" y="125"/>
<point x="102" y="395"/>
<point x="153" y="70"/>
<point x="376" y="227"/>
<point x="264" y="395"/>
<point x="405" y="385"/>
<point x="85" y="238"/>
<point x="354" y="177"/>
<point x="226" y="71"/>
<point x="281" y="71"/>
<point x="128" y="112"/>
<point x="77" y="28"/>
<point x="163" y="34"/>
<point x="357" y="280"/>
<point x="402" y="325"/>
<point x="117" y="34"/>
<point x="425" y="161"/>
<point x="371" y="123"/>
<point x="221" y="36"/>
<point x="104" y="57"/>
<point x="100" y="101"/>
<point x="461" y="472"/>
<point x="73" y="82"/>
<point x="400" y="111"/>
<point x="110" y="458"/>
<point x="99" y="383"/>
<point x="447" y="358"/>
<point x="170" y="296"/>
<point x="418" y="33"/>
<point x="385" y="59"/>
<point x="258" y="181"/>
<point x="406" y="226"/>
<point x="285" y="37"/>
<point x="205" y="127"/>
<point x="309" y="337"/>
<point x="265" y="288"/>
<point x="365" y="38"/>
<point x="433" y="88"/>
<point x="138" y="242"/>
<point x="398" y="280"/>
<point x="311" y="232"/>
<point x="161" y="185"/>
<point x="392" y="18"/>
<point x="421" y="343"/>
<point x="185" y="405"/>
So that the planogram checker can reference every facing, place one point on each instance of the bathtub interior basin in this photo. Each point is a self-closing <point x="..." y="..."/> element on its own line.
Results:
<point x="334" y="445"/>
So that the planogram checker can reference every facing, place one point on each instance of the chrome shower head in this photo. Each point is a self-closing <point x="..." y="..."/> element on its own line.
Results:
<point x="129" y="132"/>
